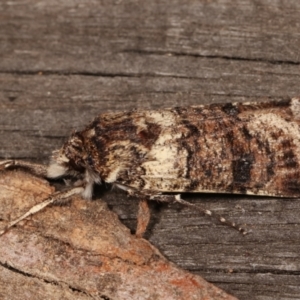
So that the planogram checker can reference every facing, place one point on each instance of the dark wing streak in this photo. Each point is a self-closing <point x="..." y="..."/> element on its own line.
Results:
<point x="249" y="191"/>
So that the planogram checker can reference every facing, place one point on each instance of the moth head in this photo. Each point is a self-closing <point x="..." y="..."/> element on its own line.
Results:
<point x="71" y="160"/>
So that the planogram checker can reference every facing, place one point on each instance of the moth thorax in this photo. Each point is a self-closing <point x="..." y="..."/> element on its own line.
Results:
<point x="75" y="152"/>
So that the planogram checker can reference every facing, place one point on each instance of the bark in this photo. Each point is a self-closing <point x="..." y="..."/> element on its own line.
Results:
<point x="81" y="250"/>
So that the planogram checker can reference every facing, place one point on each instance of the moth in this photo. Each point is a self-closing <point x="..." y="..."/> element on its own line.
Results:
<point x="239" y="148"/>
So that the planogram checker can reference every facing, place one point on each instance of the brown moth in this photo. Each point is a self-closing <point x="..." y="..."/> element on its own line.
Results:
<point x="240" y="148"/>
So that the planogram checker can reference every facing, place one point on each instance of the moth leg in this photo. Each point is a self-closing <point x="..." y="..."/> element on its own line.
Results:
<point x="144" y="214"/>
<point x="143" y="218"/>
<point x="177" y="199"/>
<point x="35" y="209"/>
<point x="35" y="169"/>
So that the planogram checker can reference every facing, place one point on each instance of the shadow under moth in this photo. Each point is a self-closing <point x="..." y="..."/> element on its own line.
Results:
<point x="240" y="148"/>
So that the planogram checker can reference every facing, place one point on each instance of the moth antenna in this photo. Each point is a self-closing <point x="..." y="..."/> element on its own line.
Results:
<point x="35" y="209"/>
<point x="35" y="169"/>
<point x="211" y="214"/>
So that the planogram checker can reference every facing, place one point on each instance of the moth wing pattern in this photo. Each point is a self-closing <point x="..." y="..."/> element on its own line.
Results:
<point x="243" y="148"/>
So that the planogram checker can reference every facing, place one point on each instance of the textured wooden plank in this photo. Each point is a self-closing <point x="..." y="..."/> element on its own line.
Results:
<point x="108" y="37"/>
<point x="134" y="54"/>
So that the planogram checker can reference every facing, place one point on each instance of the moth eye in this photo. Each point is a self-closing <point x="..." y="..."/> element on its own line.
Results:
<point x="77" y="166"/>
<point x="90" y="160"/>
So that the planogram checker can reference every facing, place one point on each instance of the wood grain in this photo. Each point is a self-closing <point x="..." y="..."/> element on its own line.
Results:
<point x="63" y="62"/>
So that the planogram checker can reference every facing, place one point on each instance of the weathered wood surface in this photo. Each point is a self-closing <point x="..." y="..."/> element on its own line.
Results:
<point x="63" y="62"/>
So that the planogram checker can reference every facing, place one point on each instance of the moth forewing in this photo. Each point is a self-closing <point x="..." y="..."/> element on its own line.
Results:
<point x="244" y="148"/>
